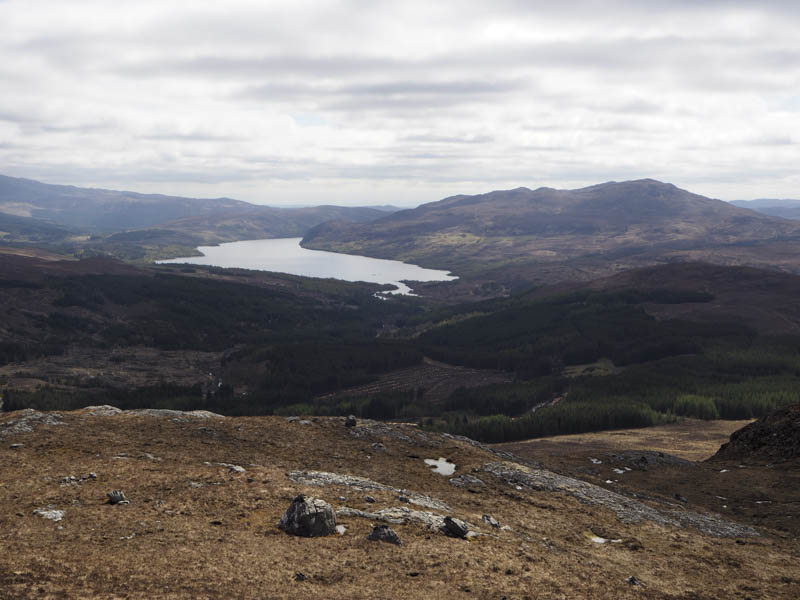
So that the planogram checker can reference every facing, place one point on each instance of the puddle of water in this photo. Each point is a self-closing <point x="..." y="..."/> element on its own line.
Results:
<point x="340" y="529"/>
<point x="442" y="466"/>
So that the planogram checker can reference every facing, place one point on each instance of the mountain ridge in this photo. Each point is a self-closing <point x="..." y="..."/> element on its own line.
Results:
<point x="525" y="232"/>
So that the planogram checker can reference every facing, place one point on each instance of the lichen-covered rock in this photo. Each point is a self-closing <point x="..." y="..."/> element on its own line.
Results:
<point x="467" y="481"/>
<point x="308" y="517"/>
<point x="384" y="533"/>
<point x="455" y="527"/>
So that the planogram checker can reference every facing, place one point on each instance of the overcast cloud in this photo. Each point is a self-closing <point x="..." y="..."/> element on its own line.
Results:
<point x="363" y="101"/>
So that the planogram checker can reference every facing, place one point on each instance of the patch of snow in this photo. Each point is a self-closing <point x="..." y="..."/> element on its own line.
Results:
<point x="442" y="466"/>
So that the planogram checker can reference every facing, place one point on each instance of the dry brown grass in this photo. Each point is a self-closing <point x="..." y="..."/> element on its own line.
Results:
<point x="220" y="540"/>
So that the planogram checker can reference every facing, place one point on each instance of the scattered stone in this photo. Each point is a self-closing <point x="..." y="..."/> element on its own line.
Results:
<point x="323" y="478"/>
<point x="27" y="420"/>
<point x="384" y="533"/>
<point x="644" y="460"/>
<point x="16" y="446"/>
<point x="92" y="475"/>
<point x="632" y="580"/>
<point x="455" y="527"/>
<point x="490" y="521"/>
<point x="627" y="510"/>
<point x="230" y="467"/>
<point x="50" y="513"/>
<point x="104" y="410"/>
<point x="680" y="498"/>
<point x="350" y="421"/>
<point x="369" y="499"/>
<point x="300" y="576"/>
<point x="305" y="422"/>
<point x="308" y="517"/>
<point x="403" y="499"/>
<point x="117" y="497"/>
<point x="292" y="420"/>
<point x="467" y="481"/>
<point x="378" y="447"/>
<point x="178" y="415"/>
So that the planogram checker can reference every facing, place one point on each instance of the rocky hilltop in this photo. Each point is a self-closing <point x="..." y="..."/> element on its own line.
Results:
<point x="773" y="438"/>
<point x="153" y="503"/>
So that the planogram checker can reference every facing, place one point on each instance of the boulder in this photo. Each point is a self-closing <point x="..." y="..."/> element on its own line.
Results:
<point x="350" y="421"/>
<point x="308" y="517"/>
<point x="117" y="497"/>
<point x="455" y="527"/>
<point x="384" y="533"/>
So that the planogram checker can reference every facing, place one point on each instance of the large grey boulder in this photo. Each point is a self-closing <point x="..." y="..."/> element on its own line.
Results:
<point x="308" y="517"/>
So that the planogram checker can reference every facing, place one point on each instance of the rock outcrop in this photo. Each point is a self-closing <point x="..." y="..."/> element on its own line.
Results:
<point x="308" y="517"/>
<point x="773" y="438"/>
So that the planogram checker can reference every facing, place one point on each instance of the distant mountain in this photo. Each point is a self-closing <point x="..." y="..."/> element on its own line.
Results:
<point x="137" y="226"/>
<point x="785" y="208"/>
<point x="549" y="235"/>
<point x="99" y="210"/>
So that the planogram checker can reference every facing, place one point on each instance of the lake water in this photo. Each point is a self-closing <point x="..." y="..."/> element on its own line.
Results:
<point x="285" y="255"/>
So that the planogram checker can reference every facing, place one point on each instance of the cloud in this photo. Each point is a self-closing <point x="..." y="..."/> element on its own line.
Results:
<point x="349" y="98"/>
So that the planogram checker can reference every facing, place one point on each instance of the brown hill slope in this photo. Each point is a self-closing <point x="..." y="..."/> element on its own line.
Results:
<point x="547" y="235"/>
<point x="206" y="494"/>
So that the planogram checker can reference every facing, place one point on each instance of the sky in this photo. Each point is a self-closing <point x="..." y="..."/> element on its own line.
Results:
<point x="369" y="102"/>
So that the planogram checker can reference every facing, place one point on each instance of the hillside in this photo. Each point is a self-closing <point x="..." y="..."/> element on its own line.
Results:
<point x="99" y="210"/>
<point x="785" y="208"/>
<point x="546" y="235"/>
<point x="205" y="494"/>
<point x="143" y="227"/>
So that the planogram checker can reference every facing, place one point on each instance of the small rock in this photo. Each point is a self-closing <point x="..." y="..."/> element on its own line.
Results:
<point x="403" y="499"/>
<point x="300" y="576"/>
<point x="632" y="580"/>
<point x="350" y="421"/>
<point x="455" y="527"/>
<point x="16" y="446"/>
<point x="117" y="497"/>
<point x="680" y="498"/>
<point x="467" y="481"/>
<point x="378" y="447"/>
<point x="50" y="513"/>
<point x="292" y="420"/>
<point x="384" y="533"/>
<point x="92" y="475"/>
<point x="490" y="521"/>
<point x="369" y="499"/>
<point x="308" y="517"/>
<point x="305" y="422"/>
